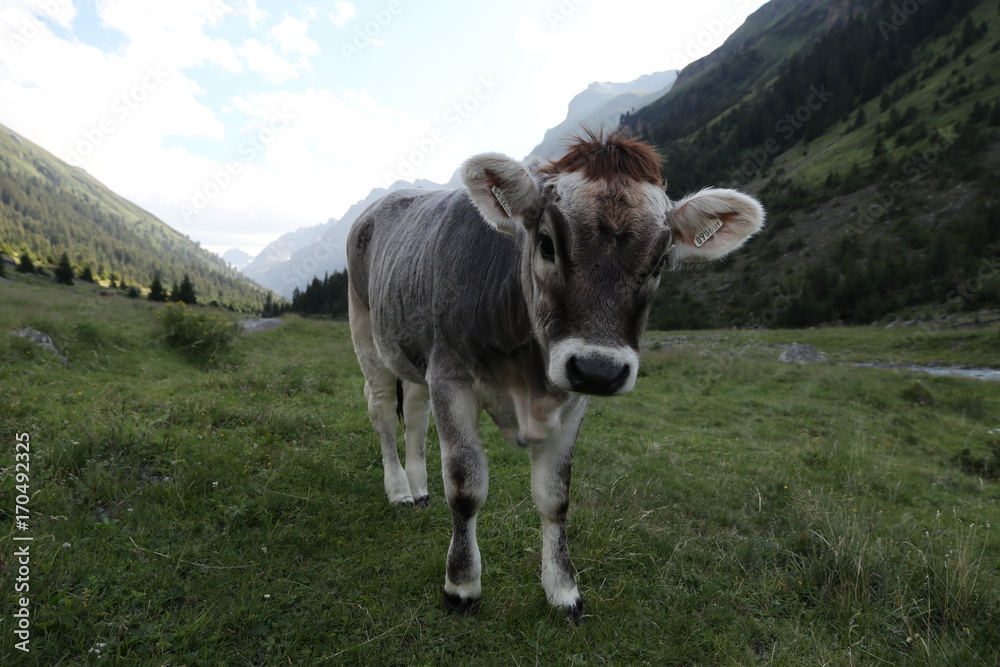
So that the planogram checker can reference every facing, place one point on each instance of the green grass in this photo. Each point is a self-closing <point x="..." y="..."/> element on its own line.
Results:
<point x="731" y="510"/>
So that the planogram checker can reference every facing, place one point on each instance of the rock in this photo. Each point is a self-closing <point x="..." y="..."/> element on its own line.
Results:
<point x="39" y="338"/>
<point x="801" y="353"/>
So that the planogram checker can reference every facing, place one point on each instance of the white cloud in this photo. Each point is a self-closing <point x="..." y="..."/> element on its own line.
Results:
<point x="261" y="58"/>
<point x="291" y="37"/>
<point x="342" y="13"/>
<point x="314" y="148"/>
<point x="171" y="34"/>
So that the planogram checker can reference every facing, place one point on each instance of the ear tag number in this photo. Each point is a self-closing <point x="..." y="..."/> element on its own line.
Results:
<point x="498" y="193"/>
<point x="707" y="233"/>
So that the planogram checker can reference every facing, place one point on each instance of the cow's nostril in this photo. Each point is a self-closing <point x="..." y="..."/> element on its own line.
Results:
<point x="596" y="375"/>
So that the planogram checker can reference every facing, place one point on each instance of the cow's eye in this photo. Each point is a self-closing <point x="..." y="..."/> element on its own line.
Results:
<point x="546" y="247"/>
<point x="655" y="273"/>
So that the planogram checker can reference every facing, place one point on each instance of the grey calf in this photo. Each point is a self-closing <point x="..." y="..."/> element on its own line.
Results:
<point x="520" y="296"/>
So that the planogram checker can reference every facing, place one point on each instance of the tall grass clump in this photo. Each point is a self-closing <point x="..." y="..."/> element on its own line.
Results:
<point x="200" y="336"/>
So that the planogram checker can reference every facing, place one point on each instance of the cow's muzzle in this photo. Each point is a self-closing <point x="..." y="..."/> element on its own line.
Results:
<point x="593" y="369"/>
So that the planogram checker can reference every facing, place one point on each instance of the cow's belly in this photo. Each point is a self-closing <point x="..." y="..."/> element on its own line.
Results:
<point x="525" y="419"/>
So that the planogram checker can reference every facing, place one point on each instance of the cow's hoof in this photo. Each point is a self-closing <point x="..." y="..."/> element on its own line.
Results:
<point x="460" y="605"/>
<point x="575" y="612"/>
<point x="422" y="502"/>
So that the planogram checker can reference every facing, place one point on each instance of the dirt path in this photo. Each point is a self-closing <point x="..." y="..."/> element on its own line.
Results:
<point x="255" y="324"/>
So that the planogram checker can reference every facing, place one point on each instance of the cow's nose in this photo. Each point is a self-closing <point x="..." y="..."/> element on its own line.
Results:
<point x="597" y="375"/>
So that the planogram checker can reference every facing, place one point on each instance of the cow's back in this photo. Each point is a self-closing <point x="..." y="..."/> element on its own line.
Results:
<point x="434" y="277"/>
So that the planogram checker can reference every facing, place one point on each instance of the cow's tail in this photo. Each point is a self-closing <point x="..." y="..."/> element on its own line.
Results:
<point x="399" y="399"/>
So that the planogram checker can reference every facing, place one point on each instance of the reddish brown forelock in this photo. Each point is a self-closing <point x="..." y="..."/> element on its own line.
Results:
<point x="608" y="159"/>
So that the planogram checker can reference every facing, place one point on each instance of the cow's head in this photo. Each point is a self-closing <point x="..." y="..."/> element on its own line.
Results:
<point x="596" y="229"/>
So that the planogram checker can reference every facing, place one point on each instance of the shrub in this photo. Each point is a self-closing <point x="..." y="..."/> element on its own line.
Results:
<point x="918" y="393"/>
<point x="199" y="335"/>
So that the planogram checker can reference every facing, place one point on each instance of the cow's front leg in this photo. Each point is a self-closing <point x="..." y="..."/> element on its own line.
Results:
<point x="466" y="482"/>
<point x="551" y="468"/>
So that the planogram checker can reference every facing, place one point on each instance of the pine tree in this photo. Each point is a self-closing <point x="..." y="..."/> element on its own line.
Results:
<point x="87" y="275"/>
<point x="64" y="272"/>
<point x="859" y="119"/>
<point x="156" y="291"/>
<point x="269" y="309"/>
<point x="26" y="265"/>
<point x="995" y="115"/>
<point x="184" y="292"/>
<point x="879" y="148"/>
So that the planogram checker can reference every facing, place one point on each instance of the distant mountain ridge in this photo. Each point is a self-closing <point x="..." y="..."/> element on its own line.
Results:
<point x="600" y="107"/>
<point x="295" y="258"/>
<point x="236" y="258"/>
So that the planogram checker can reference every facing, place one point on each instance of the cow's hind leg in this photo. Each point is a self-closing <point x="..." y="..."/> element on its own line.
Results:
<point x="380" y="392"/>
<point x="416" y="415"/>
<point x="551" y="467"/>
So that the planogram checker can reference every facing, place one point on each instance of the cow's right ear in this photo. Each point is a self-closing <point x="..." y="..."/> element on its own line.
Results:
<point x="502" y="190"/>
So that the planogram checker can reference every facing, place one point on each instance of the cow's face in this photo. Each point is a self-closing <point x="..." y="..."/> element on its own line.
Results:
<point x="591" y="263"/>
<point x="594" y="243"/>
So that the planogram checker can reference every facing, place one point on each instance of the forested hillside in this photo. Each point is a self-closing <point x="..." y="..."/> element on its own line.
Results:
<point x="874" y="150"/>
<point x="48" y="208"/>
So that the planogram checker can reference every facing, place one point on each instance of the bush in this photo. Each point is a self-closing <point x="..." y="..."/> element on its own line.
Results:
<point x="199" y="335"/>
<point x="918" y="393"/>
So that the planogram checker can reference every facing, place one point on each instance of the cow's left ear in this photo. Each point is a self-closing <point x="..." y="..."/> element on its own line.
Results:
<point x="502" y="190"/>
<point x="713" y="223"/>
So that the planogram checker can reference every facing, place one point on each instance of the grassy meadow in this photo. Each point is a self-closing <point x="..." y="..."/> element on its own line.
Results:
<point x="226" y="508"/>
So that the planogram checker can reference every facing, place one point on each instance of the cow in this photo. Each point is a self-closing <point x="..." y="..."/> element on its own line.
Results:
<point x="521" y="295"/>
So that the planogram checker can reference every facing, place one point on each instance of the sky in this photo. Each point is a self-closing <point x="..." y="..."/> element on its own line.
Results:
<point x="236" y="121"/>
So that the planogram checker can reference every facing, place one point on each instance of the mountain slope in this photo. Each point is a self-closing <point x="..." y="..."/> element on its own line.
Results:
<point x="600" y="107"/>
<point x="236" y="258"/>
<point x="48" y="207"/>
<point x="874" y="149"/>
